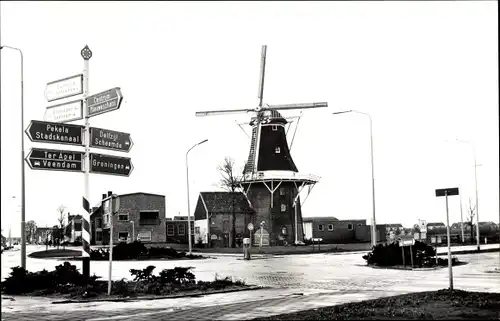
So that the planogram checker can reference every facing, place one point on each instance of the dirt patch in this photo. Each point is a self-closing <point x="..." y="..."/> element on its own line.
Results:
<point x="461" y="305"/>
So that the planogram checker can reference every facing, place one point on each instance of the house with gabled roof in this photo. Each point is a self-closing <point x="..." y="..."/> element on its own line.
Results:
<point x="213" y="217"/>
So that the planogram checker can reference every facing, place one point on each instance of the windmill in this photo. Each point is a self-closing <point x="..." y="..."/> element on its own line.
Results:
<point x="270" y="167"/>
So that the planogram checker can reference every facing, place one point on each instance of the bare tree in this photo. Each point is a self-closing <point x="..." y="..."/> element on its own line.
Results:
<point x="60" y="220"/>
<point x="230" y="181"/>
<point x="470" y="217"/>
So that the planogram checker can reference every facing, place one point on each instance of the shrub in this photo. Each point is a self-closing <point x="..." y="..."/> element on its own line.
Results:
<point x="144" y="274"/>
<point x="392" y="254"/>
<point x="124" y="251"/>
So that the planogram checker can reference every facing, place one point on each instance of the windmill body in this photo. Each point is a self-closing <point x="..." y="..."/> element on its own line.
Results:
<point x="271" y="181"/>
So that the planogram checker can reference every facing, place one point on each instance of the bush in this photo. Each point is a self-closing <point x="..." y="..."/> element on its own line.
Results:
<point x="144" y="274"/>
<point x="63" y="277"/>
<point x="392" y="254"/>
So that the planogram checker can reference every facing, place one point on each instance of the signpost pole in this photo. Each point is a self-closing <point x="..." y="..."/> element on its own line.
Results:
<point x="86" y="54"/>
<point x="403" y="251"/>
<point x="448" y="239"/>
<point x="411" y="256"/>
<point x="111" y="206"/>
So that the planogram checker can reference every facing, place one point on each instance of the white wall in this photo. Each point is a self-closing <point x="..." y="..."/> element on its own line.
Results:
<point x="308" y="230"/>
<point x="202" y="224"/>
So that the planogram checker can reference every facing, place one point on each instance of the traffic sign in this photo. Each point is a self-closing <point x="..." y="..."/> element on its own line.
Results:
<point x="447" y="191"/>
<point x="63" y="88"/>
<point x="110" y="139"/>
<point x="406" y="242"/>
<point x="57" y="160"/>
<point x="423" y="226"/>
<point x="104" y="102"/>
<point x="108" y="164"/>
<point x="250" y="226"/>
<point x="56" y="133"/>
<point x="64" y="113"/>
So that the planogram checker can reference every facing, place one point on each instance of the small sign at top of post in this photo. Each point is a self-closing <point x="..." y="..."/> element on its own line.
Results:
<point x="64" y="88"/>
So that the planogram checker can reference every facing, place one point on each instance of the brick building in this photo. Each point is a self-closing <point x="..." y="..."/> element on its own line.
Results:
<point x="213" y="216"/>
<point x="335" y="231"/>
<point x="141" y="216"/>
<point x="177" y="231"/>
<point x="73" y="229"/>
<point x="42" y="234"/>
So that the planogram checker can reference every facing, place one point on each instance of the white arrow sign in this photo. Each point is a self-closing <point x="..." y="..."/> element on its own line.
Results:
<point x="64" y="113"/>
<point x="63" y="88"/>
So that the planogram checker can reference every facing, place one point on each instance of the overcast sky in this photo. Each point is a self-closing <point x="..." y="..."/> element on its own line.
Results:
<point x="427" y="73"/>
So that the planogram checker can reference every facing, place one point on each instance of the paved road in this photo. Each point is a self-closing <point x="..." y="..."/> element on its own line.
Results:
<point x="321" y="279"/>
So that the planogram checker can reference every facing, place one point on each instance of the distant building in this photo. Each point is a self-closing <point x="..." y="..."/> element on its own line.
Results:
<point x="73" y="229"/>
<point x="335" y="231"/>
<point x="141" y="216"/>
<point x="177" y="231"/>
<point x="213" y="218"/>
<point x="42" y="234"/>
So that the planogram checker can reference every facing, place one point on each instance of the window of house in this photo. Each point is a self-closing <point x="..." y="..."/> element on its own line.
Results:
<point x="197" y="230"/>
<point x="275" y="127"/>
<point x="330" y="227"/>
<point x="282" y="191"/>
<point x="78" y="226"/>
<point x="321" y="227"/>
<point x="106" y="219"/>
<point x="149" y="218"/>
<point x="283" y="207"/>
<point x="359" y="224"/>
<point x="98" y="223"/>
<point x="225" y="226"/>
<point x="122" y="236"/>
<point x="170" y="229"/>
<point x="349" y="226"/>
<point x="98" y="236"/>
<point x="181" y="229"/>
<point x="277" y="150"/>
<point x="122" y="217"/>
<point x="144" y="236"/>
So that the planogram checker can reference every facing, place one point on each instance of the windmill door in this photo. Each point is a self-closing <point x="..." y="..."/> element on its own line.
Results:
<point x="261" y="234"/>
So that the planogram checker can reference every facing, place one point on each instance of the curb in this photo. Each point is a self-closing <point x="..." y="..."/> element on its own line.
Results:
<point x="149" y="298"/>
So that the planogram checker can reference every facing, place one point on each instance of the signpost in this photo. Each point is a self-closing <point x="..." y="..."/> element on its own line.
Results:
<point x="104" y="102"/>
<point x="55" y="133"/>
<point x="53" y="130"/>
<point x="108" y="164"/>
<point x="109" y="139"/>
<point x="64" y="113"/>
<point x="57" y="160"/>
<point x="402" y="244"/>
<point x="63" y="88"/>
<point x="250" y="228"/>
<point x="448" y="192"/>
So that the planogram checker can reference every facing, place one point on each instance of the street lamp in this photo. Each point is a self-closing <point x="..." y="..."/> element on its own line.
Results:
<point x="187" y="180"/>
<point x="475" y="182"/>
<point x="133" y="231"/>
<point x="374" y="229"/>
<point x="23" y="207"/>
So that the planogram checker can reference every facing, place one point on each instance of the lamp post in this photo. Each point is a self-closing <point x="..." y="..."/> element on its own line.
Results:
<point x="133" y="231"/>
<point x="475" y="184"/>
<point x="23" y="189"/>
<point x="374" y="224"/>
<point x="187" y="181"/>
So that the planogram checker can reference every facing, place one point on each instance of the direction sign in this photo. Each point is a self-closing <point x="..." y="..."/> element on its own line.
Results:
<point x="110" y="139"/>
<point x="56" y="133"/>
<point x="57" y="160"/>
<point x="406" y="242"/>
<point x="63" y="88"/>
<point x="447" y="191"/>
<point x="108" y="164"/>
<point x="64" y="113"/>
<point x="104" y="102"/>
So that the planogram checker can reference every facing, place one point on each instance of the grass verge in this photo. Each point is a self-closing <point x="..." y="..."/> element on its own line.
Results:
<point x="461" y="305"/>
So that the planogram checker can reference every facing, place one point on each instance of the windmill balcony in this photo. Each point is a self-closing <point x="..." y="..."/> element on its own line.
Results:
<point x="281" y="175"/>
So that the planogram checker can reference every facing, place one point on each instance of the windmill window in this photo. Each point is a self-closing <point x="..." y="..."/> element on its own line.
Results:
<point x="283" y="207"/>
<point x="330" y="227"/>
<point x="275" y="127"/>
<point x="349" y="226"/>
<point x="321" y="227"/>
<point x="277" y="150"/>
<point x="282" y="191"/>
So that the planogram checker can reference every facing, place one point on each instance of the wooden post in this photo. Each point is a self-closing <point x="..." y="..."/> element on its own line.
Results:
<point x="411" y="256"/>
<point x="403" y="251"/>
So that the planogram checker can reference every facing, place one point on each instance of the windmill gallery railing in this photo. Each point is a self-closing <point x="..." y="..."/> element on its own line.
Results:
<point x="284" y="176"/>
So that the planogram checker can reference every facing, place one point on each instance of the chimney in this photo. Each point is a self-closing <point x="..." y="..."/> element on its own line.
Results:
<point x="110" y="193"/>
